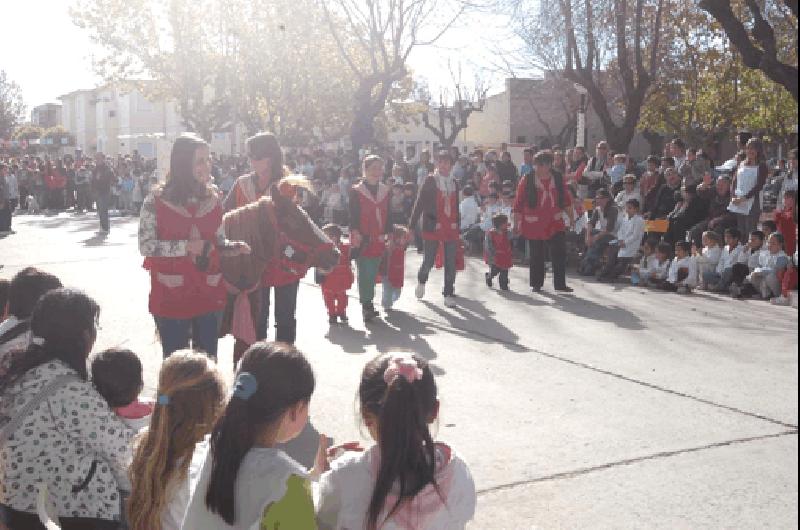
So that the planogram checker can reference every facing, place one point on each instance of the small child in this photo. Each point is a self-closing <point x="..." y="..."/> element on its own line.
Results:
<point x="748" y="262"/>
<point x="191" y="393"/>
<point x="763" y="279"/>
<point x="788" y="279"/>
<point x="649" y="262"/>
<point x="707" y="259"/>
<point x="406" y="480"/>
<point x="657" y="276"/>
<point x="336" y="283"/>
<point x="768" y="227"/>
<point x="246" y="481"/>
<point x="497" y="251"/>
<point x="617" y="172"/>
<point x="629" y="238"/>
<point x="682" y="276"/>
<point x="394" y="267"/>
<point x="117" y="376"/>
<point x="786" y="221"/>
<point x="721" y="279"/>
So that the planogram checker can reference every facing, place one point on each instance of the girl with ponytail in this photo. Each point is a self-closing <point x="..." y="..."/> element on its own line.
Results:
<point x="246" y="482"/>
<point x="406" y="481"/>
<point x="191" y="393"/>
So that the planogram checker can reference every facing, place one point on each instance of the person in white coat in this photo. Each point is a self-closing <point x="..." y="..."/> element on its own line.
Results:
<point x="624" y="249"/>
<point x="682" y="275"/>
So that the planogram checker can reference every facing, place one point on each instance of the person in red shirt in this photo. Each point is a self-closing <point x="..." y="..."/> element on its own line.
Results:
<point x="498" y="251"/>
<point x="336" y="283"/>
<point x="437" y="204"/>
<point x="786" y="221"/>
<point x="542" y="214"/>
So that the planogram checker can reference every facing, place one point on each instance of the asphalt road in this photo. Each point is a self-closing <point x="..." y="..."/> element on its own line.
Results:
<point x="613" y="407"/>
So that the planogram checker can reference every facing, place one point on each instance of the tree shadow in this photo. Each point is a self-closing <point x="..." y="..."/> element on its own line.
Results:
<point x="584" y="308"/>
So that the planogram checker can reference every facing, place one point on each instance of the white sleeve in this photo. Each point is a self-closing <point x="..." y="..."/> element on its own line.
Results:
<point x="635" y="233"/>
<point x="691" y="280"/>
<point x="462" y="498"/>
<point x="327" y="500"/>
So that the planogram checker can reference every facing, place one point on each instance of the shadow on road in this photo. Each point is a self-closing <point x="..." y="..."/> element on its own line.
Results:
<point x="584" y="308"/>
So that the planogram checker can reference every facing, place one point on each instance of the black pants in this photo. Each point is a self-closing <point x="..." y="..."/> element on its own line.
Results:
<point x="16" y="520"/>
<point x="615" y="266"/>
<point x="285" y="309"/>
<point x="5" y="217"/>
<point x="557" y="245"/>
<point x="503" y="273"/>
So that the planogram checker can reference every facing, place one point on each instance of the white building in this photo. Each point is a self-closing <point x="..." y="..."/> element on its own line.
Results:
<point x="413" y="137"/>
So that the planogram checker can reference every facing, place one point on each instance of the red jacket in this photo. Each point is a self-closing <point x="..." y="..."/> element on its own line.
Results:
<point x="788" y="229"/>
<point x="373" y="218"/>
<point x="546" y="219"/>
<point x="177" y="288"/>
<point x="341" y="278"/>
<point x="502" y="256"/>
<point x="396" y="265"/>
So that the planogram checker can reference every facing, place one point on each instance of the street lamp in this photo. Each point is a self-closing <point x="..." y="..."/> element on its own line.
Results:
<point x="581" y="130"/>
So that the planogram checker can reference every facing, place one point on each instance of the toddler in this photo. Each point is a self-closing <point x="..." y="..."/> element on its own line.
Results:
<point x="406" y="480"/>
<point x="721" y="279"/>
<point x="682" y="276"/>
<point x="394" y="267"/>
<point x="763" y="279"/>
<point x="629" y="238"/>
<point x="336" y="283"/>
<point x="498" y="253"/>
<point x="648" y="263"/>
<point x="748" y="263"/>
<point x="657" y="275"/>
<point x="707" y="259"/>
<point x="117" y="376"/>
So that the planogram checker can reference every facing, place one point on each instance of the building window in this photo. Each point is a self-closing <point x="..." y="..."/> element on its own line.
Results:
<point x="522" y="140"/>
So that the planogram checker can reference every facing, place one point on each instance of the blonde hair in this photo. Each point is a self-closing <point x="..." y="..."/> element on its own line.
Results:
<point x="191" y="394"/>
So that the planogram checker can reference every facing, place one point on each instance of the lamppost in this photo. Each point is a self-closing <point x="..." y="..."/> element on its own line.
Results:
<point x="581" y="130"/>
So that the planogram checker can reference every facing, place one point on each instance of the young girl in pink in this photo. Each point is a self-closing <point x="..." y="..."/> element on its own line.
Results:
<point x="394" y="267"/>
<point x="336" y="283"/>
<point x="406" y="481"/>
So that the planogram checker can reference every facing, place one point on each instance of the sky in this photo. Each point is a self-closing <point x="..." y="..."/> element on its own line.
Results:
<point x="48" y="56"/>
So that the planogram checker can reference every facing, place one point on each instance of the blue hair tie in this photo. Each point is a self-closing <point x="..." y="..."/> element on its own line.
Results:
<point x="245" y="386"/>
<point x="163" y="399"/>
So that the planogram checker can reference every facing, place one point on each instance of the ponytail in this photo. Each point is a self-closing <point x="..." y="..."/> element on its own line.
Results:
<point x="403" y="408"/>
<point x="272" y="378"/>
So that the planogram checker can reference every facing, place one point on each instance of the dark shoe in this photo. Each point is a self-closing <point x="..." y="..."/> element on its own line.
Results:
<point x="488" y="279"/>
<point x="536" y="289"/>
<point x="332" y="319"/>
<point x="504" y="287"/>
<point x="564" y="289"/>
<point x="343" y="319"/>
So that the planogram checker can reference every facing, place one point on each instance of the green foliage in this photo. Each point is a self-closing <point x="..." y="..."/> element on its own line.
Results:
<point x="27" y="132"/>
<point x="12" y="107"/>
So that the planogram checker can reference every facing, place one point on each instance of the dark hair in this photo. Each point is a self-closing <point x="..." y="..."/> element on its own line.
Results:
<point x="494" y="196"/>
<point x="265" y="145"/>
<point x="743" y="137"/>
<point x="441" y="155"/>
<point x="284" y="379"/>
<point x="27" y="287"/>
<point x="333" y="230"/>
<point x="602" y="193"/>
<point x="528" y="151"/>
<point x="677" y="142"/>
<point x="635" y="203"/>
<point x="653" y="159"/>
<point x="769" y="223"/>
<point x="668" y="161"/>
<point x="780" y="238"/>
<point x="733" y="232"/>
<point x="652" y="242"/>
<point x="61" y="318"/>
<point x="403" y="410"/>
<point x="692" y="150"/>
<point x="684" y="245"/>
<point x="499" y="220"/>
<point x="544" y="158"/>
<point x="181" y="184"/>
<point x="758" y="234"/>
<point x="117" y="376"/>
<point x="758" y="145"/>
<point x="664" y="248"/>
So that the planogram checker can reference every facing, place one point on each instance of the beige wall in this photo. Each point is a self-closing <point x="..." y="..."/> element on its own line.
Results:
<point x="492" y="124"/>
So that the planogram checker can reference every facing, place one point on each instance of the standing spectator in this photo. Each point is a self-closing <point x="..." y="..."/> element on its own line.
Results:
<point x="5" y="202"/>
<point x="102" y="179"/>
<point x="790" y="180"/>
<point x="667" y="195"/>
<point x="786" y="221"/>
<point x="83" y="187"/>
<point x="424" y="168"/>
<point x="126" y="187"/>
<point x="506" y="170"/>
<point x="628" y="192"/>
<point x="688" y="212"/>
<point x="69" y="188"/>
<point x="747" y="185"/>
<point x="542" y="204"/>
<point x="527" y="164"/>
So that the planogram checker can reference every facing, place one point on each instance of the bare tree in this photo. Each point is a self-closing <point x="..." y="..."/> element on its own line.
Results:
<point x="12" y="107"/>
<point x="456" y="103"/>
<point x="759" y="41"/>
<point x="385" y="32"/>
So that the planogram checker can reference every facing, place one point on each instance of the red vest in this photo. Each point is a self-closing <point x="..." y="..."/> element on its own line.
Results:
<point x="547" y="219"/>
<point x="503" y="257"/>
<point x="374" y="216"/>
<point x="447" y="228"/>
<point x="177" y="288"/>
<point x="341" y="277"/>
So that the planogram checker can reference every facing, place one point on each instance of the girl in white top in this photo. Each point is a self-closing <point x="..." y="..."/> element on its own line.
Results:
<point x="682" y="276"/>
<point x="406" y="481"/>
<point x="246" y="483"/>
<point x="707" y="259"/>
<point x="190" y="396"/>
<point x="764" y="277"/>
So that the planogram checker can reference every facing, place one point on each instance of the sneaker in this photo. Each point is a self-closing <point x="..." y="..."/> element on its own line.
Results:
<point x="504" y="287"/>
<point x="488" y="279"/>
<point x="449" y="301"/>
<point x="419" y="292"/>
<point x="780" y="300"/>
<point x="536" y="289"/>
<point x="564" y="289"/>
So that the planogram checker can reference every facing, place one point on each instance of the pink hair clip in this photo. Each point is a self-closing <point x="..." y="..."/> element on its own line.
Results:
<point x="402" y="365"/>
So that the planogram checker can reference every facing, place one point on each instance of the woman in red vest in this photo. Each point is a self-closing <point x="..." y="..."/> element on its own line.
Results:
<point x="181" y="237"/>
<point x="437" y="204"/>
<point x="369" y="225"/>
<point x="542" y="213"/>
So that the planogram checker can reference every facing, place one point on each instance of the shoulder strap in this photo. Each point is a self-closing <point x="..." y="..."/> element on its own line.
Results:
<point x="15" y="331"/>
<point x="48" y="390"/>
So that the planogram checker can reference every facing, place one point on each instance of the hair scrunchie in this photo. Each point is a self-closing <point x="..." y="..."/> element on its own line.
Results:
<point x="402" y="365"/>
<point x="245" y="386"/>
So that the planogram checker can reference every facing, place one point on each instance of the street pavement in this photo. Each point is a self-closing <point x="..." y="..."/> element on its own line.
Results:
<point x="613" y="407"/>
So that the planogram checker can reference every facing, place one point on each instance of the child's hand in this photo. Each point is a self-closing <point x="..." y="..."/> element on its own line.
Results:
<point x="321" y="464"/>
<point x="339" y="450"/>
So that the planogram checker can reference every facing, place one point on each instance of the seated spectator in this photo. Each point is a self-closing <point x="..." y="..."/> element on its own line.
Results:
<point x="733" y="253"/>
<point x="690" y="211"/>
<point x="788" y="279"/>
<point x="629" y="238"/>
<point x="617" y="172"/>
<point x="748" y="262"/>
<point x="682" y="275"/>
<point x="763" y="279"/>
<point x="667" y="195"/>
<point x="83" y="450"/>
<point x="718" y="218"/>
<point x="786" y="221"/>
<point x="768" y="227"/>
<point x="25" y="290"/>
<point x="602" y="229"/>
<point x="628" y="192"/>
<point x="647" y="264"/>
<point x="169" y="455"/>
<point x="651" y="179"/>
<point x="708" y="258"/>
<point x="656" y="275"/>
<point x="117" y="376"/>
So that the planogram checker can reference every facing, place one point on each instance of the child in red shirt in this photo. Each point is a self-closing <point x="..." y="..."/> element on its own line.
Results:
<point x="336" y="283"/>
<point x="498" y="253"/>
<point x="786" y="221"/>
<point x="393" y="267"/>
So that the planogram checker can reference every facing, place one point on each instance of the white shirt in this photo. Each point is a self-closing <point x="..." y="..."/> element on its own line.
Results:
<point x="730" y="257"/>
<point x="623" y="197"/>
<point x="631" y="231"/>
<point x="470" y="212"/>
<point x="687" y="263"/>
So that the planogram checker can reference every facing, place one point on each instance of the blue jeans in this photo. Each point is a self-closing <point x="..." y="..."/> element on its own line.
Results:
<point x="429" y="259"/>
<point x="103" y="203"/>
<point x="202" y="329"/>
